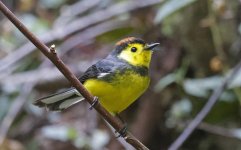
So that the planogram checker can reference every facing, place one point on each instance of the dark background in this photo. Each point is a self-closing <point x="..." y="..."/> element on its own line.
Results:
<point x="200" y="43"/>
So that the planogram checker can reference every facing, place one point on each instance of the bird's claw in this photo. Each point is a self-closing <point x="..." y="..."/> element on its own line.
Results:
<point x="122" y="132"/>
<point x="95" y="102"/>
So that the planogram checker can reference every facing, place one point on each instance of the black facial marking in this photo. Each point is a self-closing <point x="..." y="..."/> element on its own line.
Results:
<point x="122" y="45"/>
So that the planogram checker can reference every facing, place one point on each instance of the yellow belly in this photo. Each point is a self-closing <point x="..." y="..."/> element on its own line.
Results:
<point x="117" y="94"/>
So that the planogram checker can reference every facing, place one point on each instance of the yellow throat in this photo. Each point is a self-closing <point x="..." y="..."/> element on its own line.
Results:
<point x="141" y="57"/>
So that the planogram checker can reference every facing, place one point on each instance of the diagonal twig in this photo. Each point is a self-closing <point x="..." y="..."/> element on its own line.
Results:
<point x="117" y="125"/>
<point x="205" y="110"/>
<point x="77" y="25"/>
<point x="214" y="129"/>
<point x="70" y="12"/>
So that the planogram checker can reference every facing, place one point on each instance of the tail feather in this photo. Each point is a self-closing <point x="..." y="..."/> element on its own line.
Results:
<point x="60" y="101"/>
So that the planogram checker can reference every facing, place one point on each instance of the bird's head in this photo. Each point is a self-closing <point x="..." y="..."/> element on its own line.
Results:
<point x="135" y="51"/>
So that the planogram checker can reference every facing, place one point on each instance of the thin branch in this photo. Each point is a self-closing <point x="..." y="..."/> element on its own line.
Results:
<point x="89" y="34"/>
<point x="117" y="125"/>
<point x="229" y="133"/>
<point x="71" y="11"/>
<point x="122" y="141"/>
<point x="82" y="38"/>
<point x="39" y="77"/>
<point x="216" y="129"/>
<point x="206" y="109"/>
<point x="77" y="25"/>
<point x="36" y="77"/>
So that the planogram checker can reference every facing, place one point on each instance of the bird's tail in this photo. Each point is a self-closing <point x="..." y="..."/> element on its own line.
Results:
<point x="60" y="101"/>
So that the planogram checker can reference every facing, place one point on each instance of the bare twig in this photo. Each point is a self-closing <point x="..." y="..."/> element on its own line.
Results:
<point x="86" y="37"/>
<point x="206" y="109"/>
<point x="230" y="133"/>
<point x="71" y="77"/>
<point x="77" y="25"/>
<point x="71" y="11"/>
<point x="89" y="34"/>
<point x="39" y="76"/>
<point x="121" y="141"/>
<point x="53" y="49"/>
<point x="35" y="77"/>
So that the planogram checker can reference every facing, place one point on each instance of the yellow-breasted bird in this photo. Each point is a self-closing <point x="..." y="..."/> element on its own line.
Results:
<point x="117" y="80"/>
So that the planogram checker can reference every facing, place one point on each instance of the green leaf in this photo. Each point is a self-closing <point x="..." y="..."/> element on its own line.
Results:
<point x="59" y="132"/>
<point x="72" y="133"/>
<point x="237" y="133"/>
<point x="170" y="7"/>
<point x="179" y="110"/>
<point x="165" y="81"/>
<point x="239" y="28"/>
<point x="176" y="77"/>
<point x="4" y="106"/>
<point x="201" y="87"/>
<point x="114" y="34"/>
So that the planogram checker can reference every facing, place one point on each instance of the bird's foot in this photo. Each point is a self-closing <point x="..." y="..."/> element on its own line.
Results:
<point x="122" y="132"/>
<point x="95" y="102"/>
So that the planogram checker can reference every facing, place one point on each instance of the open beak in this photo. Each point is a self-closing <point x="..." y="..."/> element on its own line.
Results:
<point x="151" y="46"/>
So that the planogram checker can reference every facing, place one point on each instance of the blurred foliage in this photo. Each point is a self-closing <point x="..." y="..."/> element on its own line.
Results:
<point x="169" y="7"/>
<point x="200" y="42"/>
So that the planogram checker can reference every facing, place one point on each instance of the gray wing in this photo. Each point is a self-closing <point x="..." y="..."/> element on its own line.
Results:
<point x="102" y="69"/>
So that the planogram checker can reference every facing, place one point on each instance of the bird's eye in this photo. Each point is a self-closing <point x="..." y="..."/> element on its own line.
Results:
<point x="133" y="49"/>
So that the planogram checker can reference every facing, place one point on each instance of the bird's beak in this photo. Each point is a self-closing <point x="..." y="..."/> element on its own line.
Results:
<point x="151" y="46"/>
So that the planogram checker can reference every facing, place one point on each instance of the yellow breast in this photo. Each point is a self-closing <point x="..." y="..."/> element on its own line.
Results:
<point x="120" y="92"/>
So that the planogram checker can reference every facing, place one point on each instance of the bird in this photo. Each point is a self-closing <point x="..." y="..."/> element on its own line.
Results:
<point x="117" y="80"/>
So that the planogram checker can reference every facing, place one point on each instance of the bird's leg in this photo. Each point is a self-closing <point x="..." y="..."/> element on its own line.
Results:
<point x="122" y="132"/>
<point x="95" y="102"/>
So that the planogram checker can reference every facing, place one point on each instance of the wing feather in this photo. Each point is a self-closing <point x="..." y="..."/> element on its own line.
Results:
<point x="101" y="69"/>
